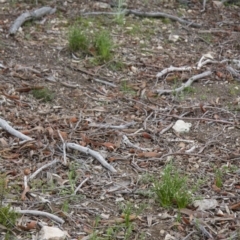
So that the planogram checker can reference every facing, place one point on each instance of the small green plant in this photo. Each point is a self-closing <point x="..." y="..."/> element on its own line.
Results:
<point x="119" y="19"/>
<point x="7" y="217"/>
<point x="77" y="40"/>
<point x="166" y="20"/>
<point x="126" y="88"/>
<point x="45" y="94"/>
<point x="116" y="65"/>
<point x="219" y="178"/>
<point x="103" y="45"/>
<point x="172" y="189"/>
<point x="207" y="37"/>
<point x="234" y="89"/>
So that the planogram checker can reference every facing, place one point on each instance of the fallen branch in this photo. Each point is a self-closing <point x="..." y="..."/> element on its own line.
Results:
<point x="172" y="69"/>
<point x="128" y="143"/>
<point x="36" y="14"/>
<point x="186" y="84"/>
<point x="149" y="15"/>
<point x="163" y="15"/>
<point x="93" y="153"/>
<point x="122" y="126"/>
<point x="11" y="130"/>
<point x="40" y="213"/>
<point x="80" y="185"/>
<point x="42" y="168"/>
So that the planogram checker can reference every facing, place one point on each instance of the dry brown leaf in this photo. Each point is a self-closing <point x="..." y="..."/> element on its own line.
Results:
<point x="26" y="132"/>
<point x="235" y="206"/>
<point x="202" y="107"/>
<point x="31" y="225"/>
<point x="149" y="154"/>
<point x="130" y="217"/>
<point x="219" y="74"/>
<point x="215" y="188"/>
<point x="73" y="120"/>
<point x="146" y="135"/>
<point x="109" y="145"/>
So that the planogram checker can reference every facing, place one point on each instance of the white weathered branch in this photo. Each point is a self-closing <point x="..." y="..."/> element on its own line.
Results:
<point x="186" y="84"/>
<point x="122" y="126"/>
<point x="42" y="168"/>
<point x="40" y="213"/>
<point x="38" y="13"/>
<point x="11" y="130"/>
<point x="93" y="153"/>
<point x="172" y="69"/>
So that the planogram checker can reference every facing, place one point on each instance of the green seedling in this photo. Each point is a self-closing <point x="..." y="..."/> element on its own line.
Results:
<point x="207" y="37"/>
<point x="7" y="217"/>
<point x="172" y="188"/>
<point x="44" y="94"/>
<point x="103" y="45"/>
<point x="77" y="40"/>
<point x="166" y="20"/>
<point x="126" y="88"/>
<point x="116" y="65"/>
<point x="219" y="177"/>
<point x="119" y="19"/>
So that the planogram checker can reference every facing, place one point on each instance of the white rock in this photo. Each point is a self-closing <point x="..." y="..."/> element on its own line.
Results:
<point x="205" y="204"/>
<point x="169" y="237"/>
<point x="51" y="233"/>
<point x="181" y="127"/>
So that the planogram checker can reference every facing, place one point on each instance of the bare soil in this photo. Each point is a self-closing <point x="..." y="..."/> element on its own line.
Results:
<point x="86" y="112"/>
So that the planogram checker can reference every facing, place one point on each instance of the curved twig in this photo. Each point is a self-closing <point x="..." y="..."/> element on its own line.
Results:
<point x="93" y="153"/>
<point x="186" y="84"/>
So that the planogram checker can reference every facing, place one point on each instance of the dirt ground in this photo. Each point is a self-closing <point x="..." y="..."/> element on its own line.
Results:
<point x="123" y="119"/>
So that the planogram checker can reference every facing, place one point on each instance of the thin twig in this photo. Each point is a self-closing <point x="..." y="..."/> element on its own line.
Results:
<point x="64" y="148"/>
<point x="42" y="168"/>
<point x="80" y="185"/>
<point x="93" y="153"/>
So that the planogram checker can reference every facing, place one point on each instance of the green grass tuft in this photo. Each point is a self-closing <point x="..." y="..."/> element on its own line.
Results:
<point x="45" y="94"/>
<point x="77" y="40"/>
<point x="172" y="189"/>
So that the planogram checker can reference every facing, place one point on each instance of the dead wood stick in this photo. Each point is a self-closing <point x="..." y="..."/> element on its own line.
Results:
<point x="40" y="213"/>
<point x="149" y="15"/>
<point x="80" y="185"/>
<point x="203" y="119"/>
<point x="186" y="84"/>
<point x="38" y="13"/>
<point x="163" y="15"/>
<point x="42" y="168"/>
<point x="122" y="126"/>
<point x="11" y="130"/>
<point x="93" y="153"/>
<point x="172" y="69"/>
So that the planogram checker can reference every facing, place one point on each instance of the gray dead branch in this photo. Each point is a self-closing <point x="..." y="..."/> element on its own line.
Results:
<point x="40" y="213"/>
<point x="14" y="132"/>
<point x="36" y="14"/>
<point x="186" y="84"/>
<point x="163" y="15"/>
<point x="96" y="155"/>
<point x="146" y="15"/>
<point x="93" y="153"/>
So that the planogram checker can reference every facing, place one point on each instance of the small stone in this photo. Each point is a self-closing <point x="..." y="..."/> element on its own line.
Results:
<point x="51" y="233"/>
